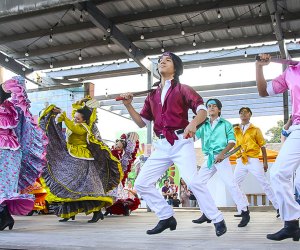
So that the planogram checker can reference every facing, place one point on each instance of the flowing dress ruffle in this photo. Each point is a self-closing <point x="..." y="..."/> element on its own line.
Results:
<point x="79" y="185"/>
<point x="123" y="203"/>
<point x="20" y="165"/>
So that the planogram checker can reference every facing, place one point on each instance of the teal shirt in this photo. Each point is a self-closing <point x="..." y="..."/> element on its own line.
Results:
<point x="215" y="140"/>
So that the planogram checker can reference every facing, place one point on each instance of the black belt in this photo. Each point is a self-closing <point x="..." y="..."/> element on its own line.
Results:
<point x="178" y="132"/>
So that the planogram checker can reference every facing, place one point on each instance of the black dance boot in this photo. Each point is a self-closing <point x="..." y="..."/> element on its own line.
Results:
<point x="66" y="219"/>
<point x="220" y="228"/>
<point x="163" y="225"/>
<point x="202" y="219"/>
<point x="6" y="220"/>
<point x="245" y="218"/>
<point x="96" y="216"/>
<point x="290" y="230"/>
<point x="126" y="210"/>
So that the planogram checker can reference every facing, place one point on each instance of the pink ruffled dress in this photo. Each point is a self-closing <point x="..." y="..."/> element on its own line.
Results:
<point x="22" y="150"/>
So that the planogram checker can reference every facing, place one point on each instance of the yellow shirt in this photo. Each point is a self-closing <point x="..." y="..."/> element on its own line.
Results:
<point x="251" y="142"/>
<point x="77" y="138"/>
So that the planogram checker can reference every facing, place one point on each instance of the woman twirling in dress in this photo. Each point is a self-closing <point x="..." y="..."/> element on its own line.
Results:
<point x="125" y="149"/>
<point x="22" y="151"/>
<point x="80" y="170"/>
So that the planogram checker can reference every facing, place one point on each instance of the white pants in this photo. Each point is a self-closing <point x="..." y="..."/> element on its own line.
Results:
<point x="182" y="154"/>
<point x="282" y="171"/>
<point x="255" y="167"/>
<point x="208" y="206"/>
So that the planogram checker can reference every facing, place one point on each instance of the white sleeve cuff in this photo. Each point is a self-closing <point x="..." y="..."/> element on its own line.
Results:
<point x="147" y="122"/>
<point x="286" y="130"/>
<point x="270" y="89"/>
<point x="232" y="141"/>
<point x="202" y="106"/>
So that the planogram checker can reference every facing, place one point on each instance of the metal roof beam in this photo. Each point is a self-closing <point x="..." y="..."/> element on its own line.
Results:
<point x="38" y="9"/>
<point x="114" y="73"/>
<point x="87" y="60"/>
<point x="209" y="89"/>
<point x="115" y="20"/>
<point x="225" y="113"/>
<point x="59" y="48"/>
<point x="94" y="70"/>
<point x="231" y="115"/>
<point x="220" y="43"/>
<point x="212" y="27"/>
<point x="182" y="9"/>
<point x="75" y="85"/>
<point x="205" y="59"/>
<point x="227" y="105"/>
<point x="103" y="23"/>
<point x="44" y="32"/>
<point x="16" y="67"/>
<point x="14" y="10"/>
<point x="157" y="51"/>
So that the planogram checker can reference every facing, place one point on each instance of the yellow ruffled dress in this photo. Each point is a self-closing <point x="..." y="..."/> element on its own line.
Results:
<point x="81" y="169"/>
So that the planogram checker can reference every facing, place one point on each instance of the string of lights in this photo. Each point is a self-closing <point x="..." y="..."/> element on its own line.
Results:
<point x="199" y="33"/>
<point x="149" y="41"/>
<point x="80" y="51"/>
<point x="46" y="33"/>
<point x="179" y="23"/>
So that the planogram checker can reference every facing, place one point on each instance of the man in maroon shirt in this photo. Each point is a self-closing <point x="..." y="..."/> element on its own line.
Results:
<point x="167" y="106"/>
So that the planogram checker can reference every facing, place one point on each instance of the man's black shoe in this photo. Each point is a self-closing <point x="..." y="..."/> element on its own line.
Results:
<point x="202" y="219"/>
<point x="238" y="215"/>
<point x="245" y="218"/>
<point x="290" y="230"/>
<point x="163" y="225"/>
<point x="220" y="228"/>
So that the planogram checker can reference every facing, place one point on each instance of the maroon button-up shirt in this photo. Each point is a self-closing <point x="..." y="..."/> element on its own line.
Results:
<point x="173" y="114"/>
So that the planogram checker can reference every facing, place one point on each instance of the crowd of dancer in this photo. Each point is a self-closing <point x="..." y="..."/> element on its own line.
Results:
<point x="83" y="175"/>
<point x="77" y="169"/>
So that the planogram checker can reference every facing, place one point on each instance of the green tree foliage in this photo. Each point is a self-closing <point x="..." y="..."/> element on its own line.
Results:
<point x="275" y="133"/>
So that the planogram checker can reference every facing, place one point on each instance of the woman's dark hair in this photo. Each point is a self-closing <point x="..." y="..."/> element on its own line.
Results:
<point x="3" y="95"/>
<point x="86" y="113"/>
<point x="124" y="143"/>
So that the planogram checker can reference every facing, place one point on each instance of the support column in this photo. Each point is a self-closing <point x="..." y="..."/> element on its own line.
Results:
<point x="149" y="128"/>
<point x="1" y="74"/>
<point x="89" y="89"/>
<point x="285" y="97"/>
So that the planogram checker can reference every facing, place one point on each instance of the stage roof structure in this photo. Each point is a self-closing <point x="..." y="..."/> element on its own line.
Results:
<point x="37" y="35"/>
<point x="49" y="34"/>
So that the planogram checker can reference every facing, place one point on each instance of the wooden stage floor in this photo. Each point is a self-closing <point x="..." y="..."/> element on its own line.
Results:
<point x="120" y="232"/>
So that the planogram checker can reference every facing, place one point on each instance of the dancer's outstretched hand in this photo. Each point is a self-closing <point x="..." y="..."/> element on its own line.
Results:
<point x="264" y="59"/>
<point x="128" y="97"/>
<point x="190" y="130"/>
<point x="57" y="110"/>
